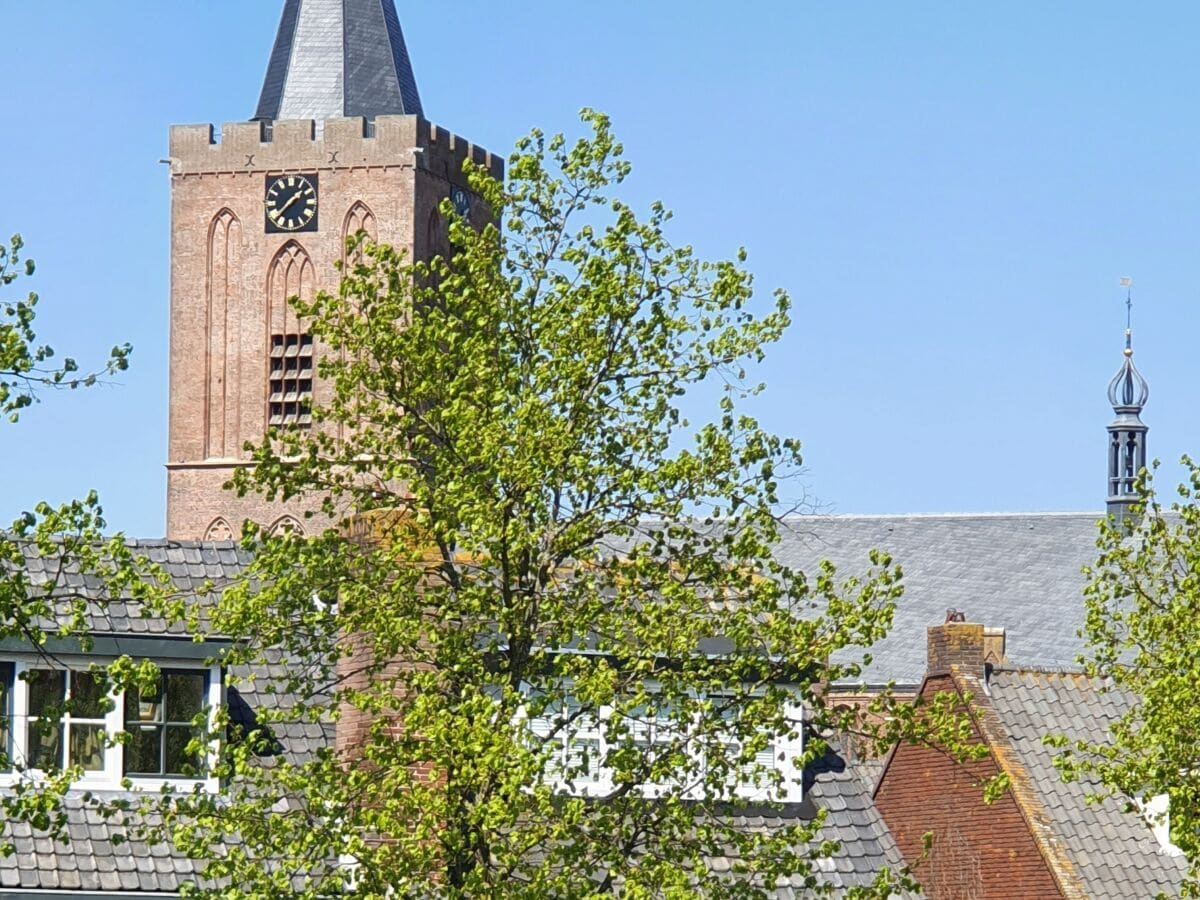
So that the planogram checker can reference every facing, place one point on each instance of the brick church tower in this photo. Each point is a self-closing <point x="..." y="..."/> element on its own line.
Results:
<point x="260" y="212"/>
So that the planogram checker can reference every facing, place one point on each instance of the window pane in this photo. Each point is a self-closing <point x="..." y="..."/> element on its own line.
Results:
<point x="6" y="682"/>
<point x="179" y="761"/>
<point x="185" y="695"/>
<point x="87" y="746"/>
<point x="143" y="753"/>
<point x="86" y="696"/>
<point x="46" y="688"/>
<point x="142" y="707"/>
<point x="45" y="746"/>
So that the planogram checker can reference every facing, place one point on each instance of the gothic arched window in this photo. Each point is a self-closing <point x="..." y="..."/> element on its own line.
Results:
<point x="222" y="373"/>
<point x="359" y="218"/>
<point x="290" y="353"/>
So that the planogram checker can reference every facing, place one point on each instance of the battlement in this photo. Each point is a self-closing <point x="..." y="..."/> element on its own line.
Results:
<point x="343" y="143"/>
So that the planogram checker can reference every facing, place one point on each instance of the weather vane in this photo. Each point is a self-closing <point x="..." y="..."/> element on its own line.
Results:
<point x="1127" y="283"/>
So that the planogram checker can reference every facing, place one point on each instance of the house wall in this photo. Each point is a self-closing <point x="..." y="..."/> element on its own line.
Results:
<point x="979" y="852"/>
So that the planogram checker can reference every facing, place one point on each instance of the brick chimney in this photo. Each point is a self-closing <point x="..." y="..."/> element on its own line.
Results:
<point x="360" y="666"/>
<point x="968" y="645"/>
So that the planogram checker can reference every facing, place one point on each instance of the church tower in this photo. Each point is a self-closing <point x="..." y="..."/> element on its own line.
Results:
<point x="1128" y="393"/>
<point x="260" y="212"/>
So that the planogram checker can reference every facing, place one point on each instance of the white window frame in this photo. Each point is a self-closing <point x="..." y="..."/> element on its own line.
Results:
<point x="66" y="724"/>
<point x="782" y="754"/>
<point x="786" y="753"/>
<point x="112" y="776"/>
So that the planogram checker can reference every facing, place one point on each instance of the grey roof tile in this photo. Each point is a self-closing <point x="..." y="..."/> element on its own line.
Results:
<point x="116" y="616"/>
<point x="1115" y="852"/>
<point x="843" y="790"/>
<point x="1018" y="571"/>
<point x="70" y="880"/>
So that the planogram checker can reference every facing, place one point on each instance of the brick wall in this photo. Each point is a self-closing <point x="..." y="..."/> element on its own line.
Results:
<point x="979" y="852"/>
<point x="229" y="278"/>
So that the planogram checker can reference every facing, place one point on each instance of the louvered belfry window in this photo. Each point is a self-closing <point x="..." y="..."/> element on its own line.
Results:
<point x="291" y="385"/>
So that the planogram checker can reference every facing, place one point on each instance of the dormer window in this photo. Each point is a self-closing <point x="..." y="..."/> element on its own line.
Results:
<point x="579" y="744"/>
<point x="56" y="718"/>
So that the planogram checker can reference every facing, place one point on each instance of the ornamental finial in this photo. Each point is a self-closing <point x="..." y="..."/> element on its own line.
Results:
<point x="1128" y="391"/>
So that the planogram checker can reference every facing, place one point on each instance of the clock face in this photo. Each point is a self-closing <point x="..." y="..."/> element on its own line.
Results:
<point x="291" y="203"/>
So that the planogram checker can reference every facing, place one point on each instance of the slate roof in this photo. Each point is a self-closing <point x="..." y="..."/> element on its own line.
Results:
<point x="191" y="565"/>
<point x="199" y="571"/>
<point x="844" y="790"/>
<point x="335" y="58"/>
<point x="1112" y="853"/>
<point x="1017" y="571"/>
<point x="92" y="862"/>
<point x="1021" y="572"/>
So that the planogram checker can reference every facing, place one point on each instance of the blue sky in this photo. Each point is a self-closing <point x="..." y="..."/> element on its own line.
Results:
<point x="949" y="191"/>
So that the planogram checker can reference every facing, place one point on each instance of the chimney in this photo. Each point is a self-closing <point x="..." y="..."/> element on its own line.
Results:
<point x="968" y="645"/>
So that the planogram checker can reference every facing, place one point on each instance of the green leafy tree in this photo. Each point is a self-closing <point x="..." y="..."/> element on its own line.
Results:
<point x="553" y="633"/>
<point x="25" y="365"/>
<point x="1142" y="631"/>
<point x="69" y="537"/>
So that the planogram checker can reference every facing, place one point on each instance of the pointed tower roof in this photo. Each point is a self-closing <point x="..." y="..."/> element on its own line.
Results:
<point x="1128" y="393"/>
<point x="335" y="58"/>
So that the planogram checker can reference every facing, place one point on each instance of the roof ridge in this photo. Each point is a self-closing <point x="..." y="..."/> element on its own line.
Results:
<point x="789" y="518"/>
<point x="1041" y="670"/>
<point x="1035" y="514"/>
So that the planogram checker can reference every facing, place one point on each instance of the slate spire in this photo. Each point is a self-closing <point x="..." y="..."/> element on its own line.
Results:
<point x="335" y="58"/>
<point x="1128" y="393"/>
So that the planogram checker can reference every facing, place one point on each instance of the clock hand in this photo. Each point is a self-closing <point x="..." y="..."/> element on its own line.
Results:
<point x="295" y="197"/>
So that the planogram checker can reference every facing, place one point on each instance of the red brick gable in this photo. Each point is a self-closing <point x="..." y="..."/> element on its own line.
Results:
<point x="979" y="851"/>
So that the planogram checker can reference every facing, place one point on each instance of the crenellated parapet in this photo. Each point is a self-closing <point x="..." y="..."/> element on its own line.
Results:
<point x="354" y="143"/>
<point x="340" y="115"/>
